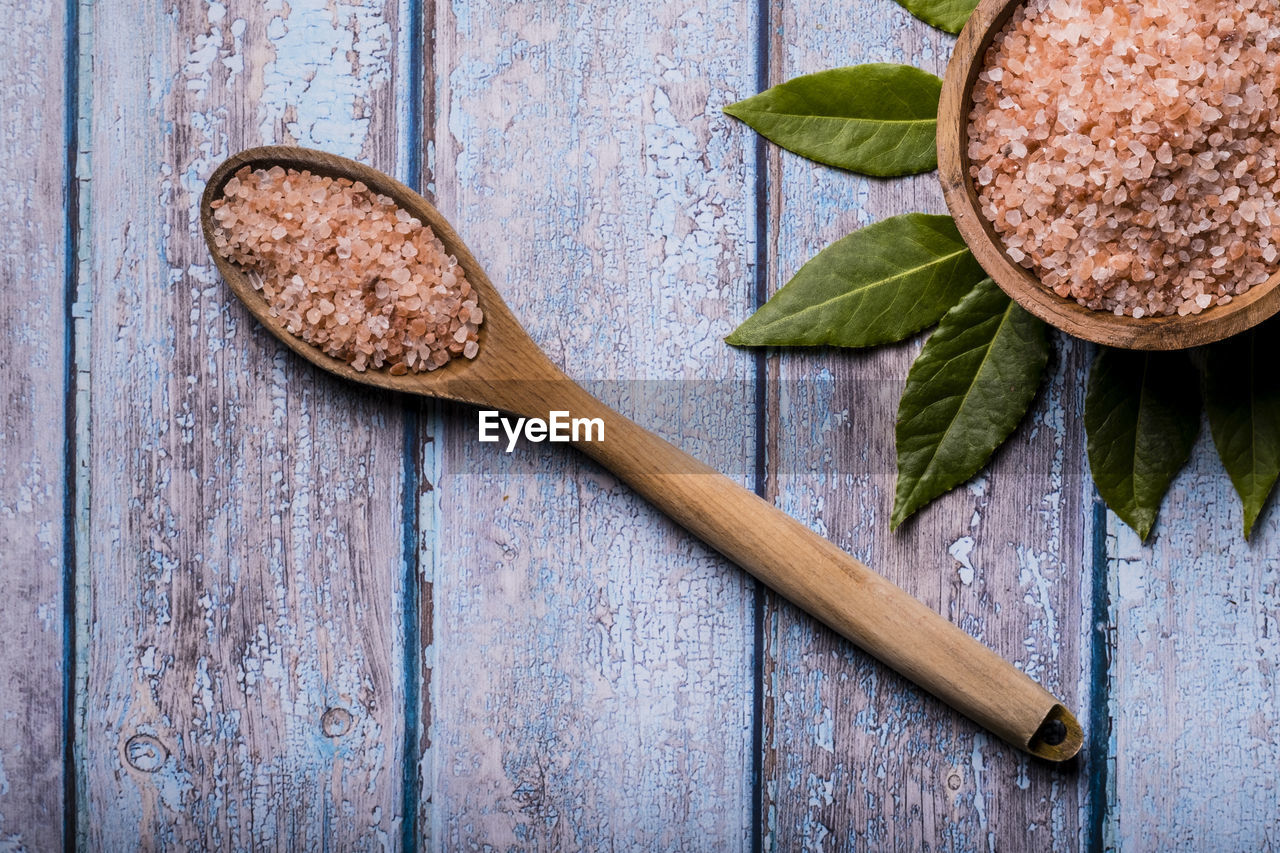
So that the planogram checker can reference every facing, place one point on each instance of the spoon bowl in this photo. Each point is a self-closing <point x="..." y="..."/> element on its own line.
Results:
<point x="507" y="355"/>
<point x="1148" y="333"/>
<point x="511" y="373"/>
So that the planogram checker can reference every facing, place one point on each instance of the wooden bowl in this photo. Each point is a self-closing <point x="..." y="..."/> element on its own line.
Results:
<point x="1103" y="327"/>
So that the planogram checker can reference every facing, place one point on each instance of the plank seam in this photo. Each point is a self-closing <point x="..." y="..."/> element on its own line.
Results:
<point x="409" y="825"/>
<point x="411" y="474"/>
<point x="760" y="358"/>
<point x="1100" y="684"/>
<point x="70" y="497"/>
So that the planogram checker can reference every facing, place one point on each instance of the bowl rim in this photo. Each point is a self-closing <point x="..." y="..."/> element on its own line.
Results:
<point x="1104" y="327"/>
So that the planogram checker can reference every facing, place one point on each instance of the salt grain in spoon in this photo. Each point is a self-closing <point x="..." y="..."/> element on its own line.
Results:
<point x="347" y="270"/>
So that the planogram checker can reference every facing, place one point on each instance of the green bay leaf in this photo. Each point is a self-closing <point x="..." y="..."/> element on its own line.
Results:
<point x="875" y="286"/>
<point x="966" y="392"/>
<point x="1141" y="418"/>
<point x="1242" y="398"/>
<point x="949" y="15"/>
<point x="877" y="119"/>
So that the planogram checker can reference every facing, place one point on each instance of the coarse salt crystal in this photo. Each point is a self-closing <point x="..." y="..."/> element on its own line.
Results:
<point x="330" y="282"/>
<point x="1161" y="161"/>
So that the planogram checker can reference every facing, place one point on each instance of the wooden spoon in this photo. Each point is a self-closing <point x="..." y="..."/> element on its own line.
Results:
<point x="512" y="373"/>
<point x="1147" y="333"/>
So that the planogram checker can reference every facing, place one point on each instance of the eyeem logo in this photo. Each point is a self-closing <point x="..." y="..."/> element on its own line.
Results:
<point x="557" y="427"/>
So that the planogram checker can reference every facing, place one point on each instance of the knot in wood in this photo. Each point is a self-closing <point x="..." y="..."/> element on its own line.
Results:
<point x="336" y="722"/>
<point x="145" y="753"/>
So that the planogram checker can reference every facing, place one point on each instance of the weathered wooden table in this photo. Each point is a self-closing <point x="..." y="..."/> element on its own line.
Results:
<point x="245" y="605"/>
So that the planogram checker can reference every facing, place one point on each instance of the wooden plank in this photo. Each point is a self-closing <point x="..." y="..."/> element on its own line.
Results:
<point x="591" y="669"/>
<point x="1195" y="691"/>
<point x="241" y="630"/>
<point x="856" y="758"/>
<point x="33" y="368"/>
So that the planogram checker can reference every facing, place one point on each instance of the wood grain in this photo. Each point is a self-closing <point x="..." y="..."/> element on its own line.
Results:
<point x="1194" y="682"/>
<point x="590" y="678"/>
<point x="33" y="261"/>
<point x="1103" y="327"/>
<point x="241" y="621"/>
<point x="855" y="757"/>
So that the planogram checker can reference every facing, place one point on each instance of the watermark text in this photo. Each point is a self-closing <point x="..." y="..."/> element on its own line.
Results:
<point x="558" y="426"/>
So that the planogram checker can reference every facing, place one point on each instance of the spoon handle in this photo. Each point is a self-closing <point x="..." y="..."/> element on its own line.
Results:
<point x="823" y="580"/>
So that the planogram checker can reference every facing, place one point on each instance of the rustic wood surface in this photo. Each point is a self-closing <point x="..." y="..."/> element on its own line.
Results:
<point x="1194" y="681"/>
<point x="856" y="758"/>
<point x="241" y="639"/>
<point x="33" y="369"/>
<point x="592" y="678"/>
<point x="313" y="617"/>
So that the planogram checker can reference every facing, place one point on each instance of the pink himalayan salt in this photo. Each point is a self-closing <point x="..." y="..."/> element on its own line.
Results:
<point x="1126" y="153"/>
<point x="347" y="270"/>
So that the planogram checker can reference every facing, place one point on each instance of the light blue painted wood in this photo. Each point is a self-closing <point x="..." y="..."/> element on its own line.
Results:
<point x="33" y="261"/>
<point x="857" y="758"/>
<point x="1194" y="683"/>
<point x="591" y="681"/>
<point x="240" y="608"/>
<point x="589" y="666"/>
